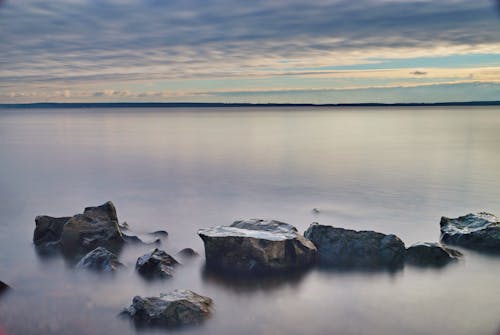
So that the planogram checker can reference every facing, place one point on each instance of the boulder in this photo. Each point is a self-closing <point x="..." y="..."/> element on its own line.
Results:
<point x="431" y="254"/>
<point x="187" y="253"/>
<point x="350" y="248"/>
<point x="256" y="246"/>
<point x="100" y="259"/>
<point x="479" y="231"/>
<point x="177" y="308"/>
<point x="81" y="233"/>
<point x="156" y="264"/>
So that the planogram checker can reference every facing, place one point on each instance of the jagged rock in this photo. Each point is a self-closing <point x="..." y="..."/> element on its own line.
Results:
<point x="350" y="248"/>
<point x="156" y="264"/>
<point x="177" y="308"/>
<point x="97" y="226"/>
<point x="3" y="287"/>
<point x="479" y="231"/>
<point x="187" y="253"/>
<point x="254" y="246"/>
<point x="100" y="259"/>
<point x="133" y="239"/>
<point x="431" y="254"/>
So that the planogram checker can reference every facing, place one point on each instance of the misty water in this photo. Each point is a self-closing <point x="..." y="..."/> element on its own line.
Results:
<point x="393" y="170"/>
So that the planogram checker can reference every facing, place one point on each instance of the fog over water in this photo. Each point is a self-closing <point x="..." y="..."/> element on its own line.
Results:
<point x="393" y="170"/>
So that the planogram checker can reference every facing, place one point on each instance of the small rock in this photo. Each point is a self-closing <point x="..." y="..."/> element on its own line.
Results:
<point x="100" y="259"/>
<point x="124" y="226"/>
<point x="431" y="254"/>
<point x="177" y="308"/>
<point x="315" y="211"/>
<point x="156" y="264"/>
<point x="479" y="231"/>
<point x="133" y="239"/>
<point x="187" y="253"/>
<point x="257" y="246"/>
<point x="3" y="287"/>
<point x="350" y="248"/>
<point x="159" y="234"/>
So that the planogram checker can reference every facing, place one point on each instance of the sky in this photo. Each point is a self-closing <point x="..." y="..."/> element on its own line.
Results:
<point x="293" y="51"/>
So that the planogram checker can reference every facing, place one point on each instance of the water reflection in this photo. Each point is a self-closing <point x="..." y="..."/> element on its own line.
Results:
<point x="247" y="284"/>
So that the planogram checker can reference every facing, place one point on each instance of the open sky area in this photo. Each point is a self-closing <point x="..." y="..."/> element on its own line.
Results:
<point x="294" y="51"/>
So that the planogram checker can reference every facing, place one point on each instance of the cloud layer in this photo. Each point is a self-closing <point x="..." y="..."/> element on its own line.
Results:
<point x="187" y="47"/>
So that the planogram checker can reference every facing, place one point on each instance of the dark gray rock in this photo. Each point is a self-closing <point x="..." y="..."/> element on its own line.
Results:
<point x="257" y="246"/>
<point x="349" y="248"/>
<point x="96" y="227"/>
<point x="134" y="239"/>
<point x="177" y="308"/>
<point x="187" y="253"/>
<point x="431" y="254"/>
<point x="48" y="231"/>
<point x="156" y="264"/>
<point x="81" y="233"/>
<point x="100" y="259"/>
<point x="3" y="287"/>
<point x="479" y="231"/>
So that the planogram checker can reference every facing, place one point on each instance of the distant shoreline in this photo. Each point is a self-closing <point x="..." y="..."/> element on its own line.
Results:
<point x="219" y="105"/>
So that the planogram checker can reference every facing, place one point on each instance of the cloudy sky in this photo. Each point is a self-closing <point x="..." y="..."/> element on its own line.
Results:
<point x="321" y="51"/>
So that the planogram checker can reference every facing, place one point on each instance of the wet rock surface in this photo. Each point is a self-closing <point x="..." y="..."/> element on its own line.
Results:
<point x="101" y="260"/>
<point x="431" y="255"/>
<point x="177" y="308"/>
<point x="480" y="231"/>
<point x="349" y="248"/>
<point x="156" y="264"/>
<point x="256" y="246"/>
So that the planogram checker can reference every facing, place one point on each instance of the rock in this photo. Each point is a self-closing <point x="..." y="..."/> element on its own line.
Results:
<point x="100" y="259"/>
<point x="350" y="248"/>
<point x="431" y="254"/>
<point x="187" y="253"/>
<point x="48" y="231"/>
<point x="479" y="231"/>
<point x="3" y="287"/>
<point x="257" y="246"/>
<point x="133" y="239"/>
<point x="81" y="233"/>
<point x="124" y="226"/>
<point x="156" y="264"/>
<point x="96" y="227"/>
<point x="177" y="308"/>
<point x="159" y="234"/>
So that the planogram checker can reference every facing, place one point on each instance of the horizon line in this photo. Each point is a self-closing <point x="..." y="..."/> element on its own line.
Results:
<point x="236" y="104"/>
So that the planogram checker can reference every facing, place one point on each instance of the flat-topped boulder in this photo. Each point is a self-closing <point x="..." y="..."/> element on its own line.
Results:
<point x="156" y="264"/>
<point x="177" y="308"/>
<point x="431" y="254"/>
<point x="350" y="248"/>
<point x="81" y="233"/>
<point x="100" y="259"/>
<point x="480" y="231"/>
<point x="254" y="246"/>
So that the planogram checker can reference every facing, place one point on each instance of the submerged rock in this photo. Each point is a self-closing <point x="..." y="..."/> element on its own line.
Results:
<point x="3" y="287"/>
<point x="479" y="231"/>
<point x="256" y="246"/>
<point x="100" y="259"/>
<point x="431" y="254"/>
<point x="134" y="239"/>
<point x="97" y="226"/>
<point x="350" y="248"/>
<point x="177" y="308"/>
<point x="156" y="264"/>
<point x="187" y="253"/>
<point x="159" y="234"/>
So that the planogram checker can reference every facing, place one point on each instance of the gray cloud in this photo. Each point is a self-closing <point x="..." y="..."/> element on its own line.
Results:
<point x="67" y="41"/>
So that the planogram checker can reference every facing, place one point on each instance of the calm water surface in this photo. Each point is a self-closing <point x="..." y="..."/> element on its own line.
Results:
<point x="392" y="170"/>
